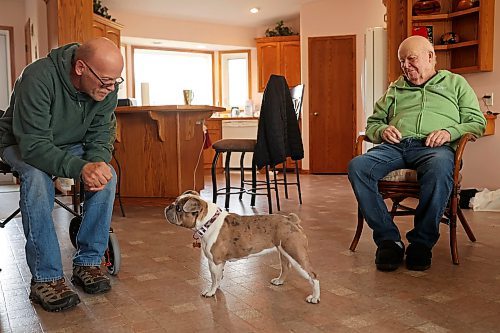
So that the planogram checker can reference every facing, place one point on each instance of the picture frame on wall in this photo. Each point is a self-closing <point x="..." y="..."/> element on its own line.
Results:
<point x="424" y="31"/>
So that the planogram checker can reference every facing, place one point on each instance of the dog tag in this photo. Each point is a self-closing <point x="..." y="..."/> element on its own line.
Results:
<point x="196" y="244"/>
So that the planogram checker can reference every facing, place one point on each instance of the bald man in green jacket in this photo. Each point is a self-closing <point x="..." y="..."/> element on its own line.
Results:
<point x="418" y="122"/>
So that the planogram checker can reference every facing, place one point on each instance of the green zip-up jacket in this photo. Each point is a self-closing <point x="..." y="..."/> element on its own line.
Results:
<point x="446" y="102"/>
<point x="47" y="114"/>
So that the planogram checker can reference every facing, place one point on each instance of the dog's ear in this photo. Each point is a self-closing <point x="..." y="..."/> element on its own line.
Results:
<point x="191" y="206"/>
<point x="191" y="192"/>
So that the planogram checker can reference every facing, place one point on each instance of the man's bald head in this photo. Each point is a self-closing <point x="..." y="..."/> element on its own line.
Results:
<point x="99" y="50"/>
<point x="416" y="43"/>
<point x="417" y="58"/>
<point x="97" y="67"/>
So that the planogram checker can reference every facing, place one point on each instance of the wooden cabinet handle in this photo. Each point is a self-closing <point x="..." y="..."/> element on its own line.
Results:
<point x="315" y="113"/>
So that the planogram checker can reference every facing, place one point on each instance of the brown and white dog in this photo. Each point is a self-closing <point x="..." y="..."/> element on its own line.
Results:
<point x="225" y="236"/>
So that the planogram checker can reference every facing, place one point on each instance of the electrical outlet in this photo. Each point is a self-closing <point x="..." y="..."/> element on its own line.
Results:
<point x="488" y="99"/>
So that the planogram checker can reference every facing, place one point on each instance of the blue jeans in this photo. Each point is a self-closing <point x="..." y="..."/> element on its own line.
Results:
<point x="37" y="201"/>
<point x="435" y="175"/>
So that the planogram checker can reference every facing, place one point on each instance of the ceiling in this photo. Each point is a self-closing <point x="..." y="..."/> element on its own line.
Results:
<point x="231" y="12"/>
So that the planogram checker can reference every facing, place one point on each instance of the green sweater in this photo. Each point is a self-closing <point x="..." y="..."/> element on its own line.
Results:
<point x="47" y="114"/>
<point x="446" y="102"/>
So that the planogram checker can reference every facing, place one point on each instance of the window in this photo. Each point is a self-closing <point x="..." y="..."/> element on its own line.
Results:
<point x="234" y="78"/>
<point x="168" y="72"/>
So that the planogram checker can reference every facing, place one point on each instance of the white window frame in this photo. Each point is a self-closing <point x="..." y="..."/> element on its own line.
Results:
<point x="224" y="56"/>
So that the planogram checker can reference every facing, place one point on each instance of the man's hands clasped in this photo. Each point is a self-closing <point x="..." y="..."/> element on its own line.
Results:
<point x="96" y="175"/>
<point x="435" y="139"/>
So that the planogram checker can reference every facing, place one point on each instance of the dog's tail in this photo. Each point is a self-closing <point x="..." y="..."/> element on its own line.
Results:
<point x="294" y="219"/>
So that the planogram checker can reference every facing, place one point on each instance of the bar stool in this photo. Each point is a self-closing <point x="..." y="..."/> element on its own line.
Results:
<point x="242" y="146"/>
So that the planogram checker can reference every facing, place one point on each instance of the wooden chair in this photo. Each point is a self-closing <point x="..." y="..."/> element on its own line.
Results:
<point x="401" y="184"/>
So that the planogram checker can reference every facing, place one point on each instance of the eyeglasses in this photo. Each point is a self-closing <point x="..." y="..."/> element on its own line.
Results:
<point x="105" y="84"/>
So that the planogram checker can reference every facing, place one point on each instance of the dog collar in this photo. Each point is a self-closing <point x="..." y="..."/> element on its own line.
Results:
<point x="200" y="232"/>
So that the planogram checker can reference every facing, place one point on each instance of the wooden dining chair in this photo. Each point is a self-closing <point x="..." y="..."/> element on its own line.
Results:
<point x="401" y="184"/>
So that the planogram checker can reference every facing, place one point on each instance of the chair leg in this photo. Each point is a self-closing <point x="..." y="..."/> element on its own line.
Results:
<point x="357" y="235"/>
<point x="297" y="174"/>
<point x="276" y="190"/>
<point x="8" y="219"/>
<point x="242" y="175"/>
<point x="453" y="230"/>
<point x="284" y="179"/>
<point x="228" y="180"/>
<point x="118" y="186"/>
<point x="254" y="184"/>
<point x="214" y="177"/>
<point x="268" y="184"/>
<point x="466" y="225"/>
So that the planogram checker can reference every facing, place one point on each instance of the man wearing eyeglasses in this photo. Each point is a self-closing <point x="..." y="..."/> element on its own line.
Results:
<point x="61" y="122"/>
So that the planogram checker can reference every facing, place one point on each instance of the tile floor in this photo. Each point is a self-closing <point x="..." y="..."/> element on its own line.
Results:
<point x="158" y="286"/>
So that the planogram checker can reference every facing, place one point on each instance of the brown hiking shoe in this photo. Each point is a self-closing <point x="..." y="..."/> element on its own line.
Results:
<point x="53" y="296"/>
<point x="91" y="279"/>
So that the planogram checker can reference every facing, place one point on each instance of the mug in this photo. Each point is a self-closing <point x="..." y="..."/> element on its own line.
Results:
<point x="188" y="96"/>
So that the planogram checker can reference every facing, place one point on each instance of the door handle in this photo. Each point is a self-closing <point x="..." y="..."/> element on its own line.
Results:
<point x="315" y="113"/>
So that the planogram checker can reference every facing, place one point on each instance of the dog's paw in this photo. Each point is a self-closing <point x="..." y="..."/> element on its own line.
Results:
<point x="208" y="292"/>
<point x="277" y="282"/>
<point x="311" y="299"/>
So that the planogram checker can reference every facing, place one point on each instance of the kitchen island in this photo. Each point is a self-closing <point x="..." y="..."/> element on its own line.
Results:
<point x="158" y="148"/>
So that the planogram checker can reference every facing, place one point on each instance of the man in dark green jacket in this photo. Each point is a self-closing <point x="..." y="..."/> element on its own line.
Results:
<point x="60" y="122"/>
<point x="419" y="121"/>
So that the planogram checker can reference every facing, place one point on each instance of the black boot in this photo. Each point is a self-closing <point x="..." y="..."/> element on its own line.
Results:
<point x="389" y="255"/>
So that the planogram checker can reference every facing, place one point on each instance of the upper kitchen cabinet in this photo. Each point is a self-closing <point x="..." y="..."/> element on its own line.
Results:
<point x="473" y="52"/>
<point x="68" y="21"/>
<point x="103" y="27"/>
<point x="279" y="56"/>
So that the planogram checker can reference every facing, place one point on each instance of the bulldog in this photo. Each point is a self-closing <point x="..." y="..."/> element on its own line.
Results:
<point x="226" y="236"/>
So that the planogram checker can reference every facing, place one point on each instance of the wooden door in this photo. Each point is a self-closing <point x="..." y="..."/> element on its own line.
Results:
<point x="332" y="102"/>
<point x="27" y="42"/>
<point x="268" y="57"/>
<point x="290" y="62"/>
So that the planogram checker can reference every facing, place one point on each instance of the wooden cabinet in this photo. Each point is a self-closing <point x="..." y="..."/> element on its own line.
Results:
<point x="474" y="27"/>
<point x="68" y="21"/>
<point x="214" y="127"/>
<point x="103" y="27"/>
<point x="280" y="56"/>
<point x="72" y="21"/>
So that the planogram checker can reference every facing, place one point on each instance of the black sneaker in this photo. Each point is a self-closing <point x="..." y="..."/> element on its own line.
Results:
<point x="91" y="279"/>
<point x="389" y="255"/>
<point x="53" y="296"/>
<point x="418" y="257"/>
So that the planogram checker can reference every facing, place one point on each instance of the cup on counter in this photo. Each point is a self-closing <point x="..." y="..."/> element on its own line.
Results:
<point x="188" y="96"/>
<point x="235" y="111"/>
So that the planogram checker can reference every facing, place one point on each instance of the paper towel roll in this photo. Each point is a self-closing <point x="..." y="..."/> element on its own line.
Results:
<point x="145" y="93"/>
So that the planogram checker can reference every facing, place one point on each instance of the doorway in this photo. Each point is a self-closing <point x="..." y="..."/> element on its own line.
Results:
<point x="332" y="103"/>
<point x="6" y="65"/>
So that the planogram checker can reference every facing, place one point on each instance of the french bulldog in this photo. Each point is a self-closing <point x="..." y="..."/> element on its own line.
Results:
<point x="226" y="236"/>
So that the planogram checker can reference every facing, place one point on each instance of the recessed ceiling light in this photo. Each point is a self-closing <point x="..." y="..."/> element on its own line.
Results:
<point x="254" y="10"/>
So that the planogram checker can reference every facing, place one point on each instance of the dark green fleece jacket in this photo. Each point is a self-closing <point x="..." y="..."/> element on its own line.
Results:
<point x="446" y="102"/>
<point x="47" y="114"/>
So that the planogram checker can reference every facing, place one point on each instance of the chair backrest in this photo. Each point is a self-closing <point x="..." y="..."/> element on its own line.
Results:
<point x="297" y="93"/>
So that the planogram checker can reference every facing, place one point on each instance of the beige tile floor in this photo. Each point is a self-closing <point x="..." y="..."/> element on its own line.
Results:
<point x="158" y="287"/>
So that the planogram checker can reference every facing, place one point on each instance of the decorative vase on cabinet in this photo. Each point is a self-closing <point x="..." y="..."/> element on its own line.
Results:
<point x="426" y="7"/>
